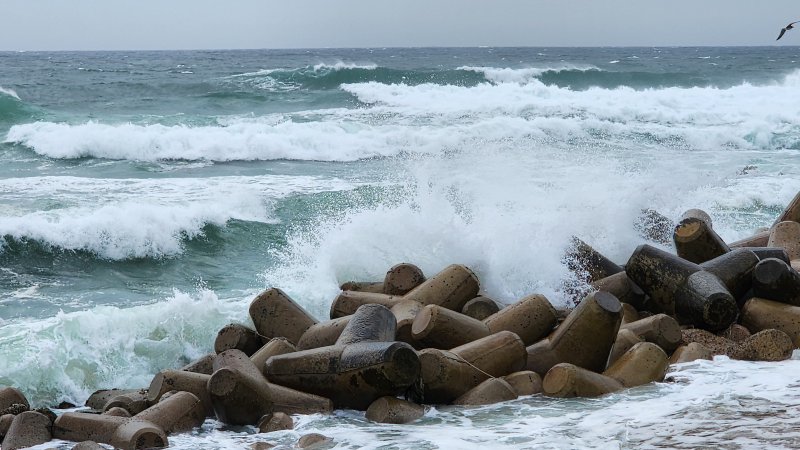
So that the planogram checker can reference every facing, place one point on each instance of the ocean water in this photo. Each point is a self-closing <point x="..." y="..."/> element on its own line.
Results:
<point x="147" y="197"/>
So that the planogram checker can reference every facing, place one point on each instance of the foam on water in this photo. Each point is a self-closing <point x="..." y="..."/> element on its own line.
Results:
<point x="523" y="75"/>
<point x="131" y="218"/>
<point x="432" y="118"/>
<point x="67" y="357"/>
<point x="335" y="140"/>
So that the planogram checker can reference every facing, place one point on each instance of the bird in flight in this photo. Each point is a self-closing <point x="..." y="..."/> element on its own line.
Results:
<point x="787" y="28"/>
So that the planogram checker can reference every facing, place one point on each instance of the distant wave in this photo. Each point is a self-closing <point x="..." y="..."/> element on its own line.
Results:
<point x="432" y="119"/>
<point x="582" y="77"/>
<point x="523" y="75"/>
<point x="126" y="219"/>
<point x="324" y="76"/>
<point x="743" y="116"/>
<point x="116" y="231"/>
<point x="574" y="76"/>
<point x="333" y="140"/>
<point x="12" y="108"/>
<point x="9" y="92"/>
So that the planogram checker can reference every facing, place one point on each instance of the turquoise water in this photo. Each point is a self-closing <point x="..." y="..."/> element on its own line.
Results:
<point x="146" y="197"/>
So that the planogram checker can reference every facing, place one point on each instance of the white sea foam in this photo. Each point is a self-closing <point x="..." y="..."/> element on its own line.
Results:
<point x="9" y="92"/>
<point x="320" y="67"/>
<point x="320" y="141"/>
<point x="131" y="218"/>
<point x="521" y="75"/>
<point x="340" y="65"/>
<point x="66" y="357"/>
<point x="430" y="119"/>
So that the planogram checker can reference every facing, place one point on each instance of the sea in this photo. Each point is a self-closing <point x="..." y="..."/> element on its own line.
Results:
<point x="147" y="197"/>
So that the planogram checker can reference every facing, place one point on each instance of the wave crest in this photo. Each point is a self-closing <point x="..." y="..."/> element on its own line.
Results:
<point x="9" y="92"/>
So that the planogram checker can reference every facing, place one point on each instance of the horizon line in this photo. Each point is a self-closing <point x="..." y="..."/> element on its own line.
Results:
<point x="385" y="47"/>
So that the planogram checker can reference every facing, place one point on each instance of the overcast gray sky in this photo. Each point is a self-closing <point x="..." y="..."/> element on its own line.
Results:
<point x="203" y="24"/>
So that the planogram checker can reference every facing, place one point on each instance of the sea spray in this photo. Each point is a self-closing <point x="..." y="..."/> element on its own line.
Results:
<point x="68" y="356"/>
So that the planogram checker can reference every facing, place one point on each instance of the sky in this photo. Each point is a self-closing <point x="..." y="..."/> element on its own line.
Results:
<point x="204" y="24"/>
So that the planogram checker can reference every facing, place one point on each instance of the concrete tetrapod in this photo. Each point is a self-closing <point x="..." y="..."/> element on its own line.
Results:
<point x="275" y="346"/>
<point x="776" y="280"/>
<point x="276" y="421"/>
<point x="363" y="365"/>
<point x="375" y="287"/>
<point x="27" y="429"/>
<point x="347" y="302"/>
<point x="352" y="376"/>
<point x="402" y="278"/>
<point x="451" y="288"/>
<point x="758" y="239"/>
<point x="5" y="424"/>
<point x="697" y="242"/>
<point x="525" y="382"/>
<point x="660" y="274"/>
<point x="276" y="315"/>
<point x="480" y="307"/>
<point x="622" y="287"/>
<point x="645" y="362"/>
<point x="177" y="413"/>
<point x="532" y="318"/>
<point x="762" y="314"/>
<point x="241" y="395"/>
<point x="119" y="412"/>
<point x="179" y="380"/>
<point x="99" y="398"/>
<point x="582" y="258"/>
<point x="682" y="288"/>
<point x="493" y="390"/>
<point x="204" y="364"/>
<point x="735" y="270"/>
<point x="446" y="375"/>
<point x="238" y="336"/>
<point x="786" y="235"/>
<point x="629" y="314"/>
<point x="438" y="327"/>
<point x="127" y="433"/>
<point x="565" y="380"/>
<point x="659" y="329"/>
<point x="690" y="352"/>
<point x="394" y="410"/>
<point x="625" y="340"/>
<point x="10" y="396"/>
<point x="133" y="402"/>
<point x="322" y="334"/>
<point x="696" y="213"/>
<point x="584" y="338"/>
<point x="370" y="323"/>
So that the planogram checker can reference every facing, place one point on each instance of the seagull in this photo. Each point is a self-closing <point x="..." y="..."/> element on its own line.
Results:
<point x="786" y="28"/>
